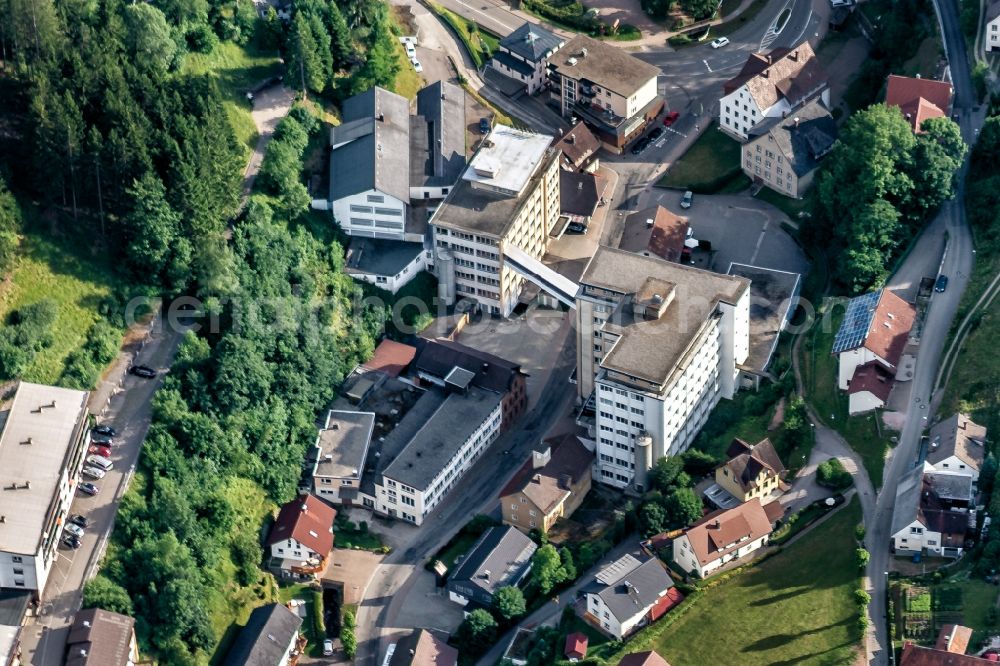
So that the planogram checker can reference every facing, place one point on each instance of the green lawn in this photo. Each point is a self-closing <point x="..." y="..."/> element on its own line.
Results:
<point x="237" y="69"/>
<point x="797" y="607"/>
<point x="480" y="45"/>
<point x="65" y="271"/>
<point x="408" y="81"/>
<point x="710" y="165"/>
<point x="350" y="535"/>
<point x="819" y="369"/>
<point x="924" y="61"/>
<point x="730" y="419"/>
<point x="456" y="548"/>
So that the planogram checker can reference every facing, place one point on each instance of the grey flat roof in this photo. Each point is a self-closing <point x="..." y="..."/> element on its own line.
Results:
<point x="343" y="444"/>
<point x="380" y="256"/>
<point x="651" y="349"/>
<point x="507" y="158"/>
<point x="608" y="66"/>
<point x="439" y="437"/>
<point x="773" y="295"/>
<point x="42" y="463"/>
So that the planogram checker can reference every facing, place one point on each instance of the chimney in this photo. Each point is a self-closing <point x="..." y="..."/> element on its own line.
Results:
<point x="717" y="524"/>
<point x="86" y="623"/>
<point x="579" y="187"/>
<point x="381" y="117"/>
<point x="571" y="139"/>
<point x="768" y="59"/>
<point x="541" y="457"/>
<point x="796" y="122"/>
<point x="794" y="56"/>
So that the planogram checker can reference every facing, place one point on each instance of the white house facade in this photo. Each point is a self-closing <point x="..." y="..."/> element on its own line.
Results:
<point x="991" y="37"/>
<point x="524" y="54"/>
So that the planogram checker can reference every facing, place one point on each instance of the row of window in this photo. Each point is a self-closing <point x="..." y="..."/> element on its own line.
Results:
<point x="391" y="212"/>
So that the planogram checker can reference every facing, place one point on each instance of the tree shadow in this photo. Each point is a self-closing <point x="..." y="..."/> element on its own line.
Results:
<point x="766" y="601"/>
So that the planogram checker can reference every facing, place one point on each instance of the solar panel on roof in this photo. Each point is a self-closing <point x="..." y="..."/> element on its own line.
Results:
<point x="857" y="320"/>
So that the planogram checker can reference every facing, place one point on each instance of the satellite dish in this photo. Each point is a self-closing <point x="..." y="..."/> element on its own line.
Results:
<point x="691" y="243"/>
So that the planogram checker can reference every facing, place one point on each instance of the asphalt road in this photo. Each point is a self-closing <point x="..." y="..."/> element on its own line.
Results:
<point x="476" y="493"/>
<point x="957" y="264"/>
<point x="129" y="412"/>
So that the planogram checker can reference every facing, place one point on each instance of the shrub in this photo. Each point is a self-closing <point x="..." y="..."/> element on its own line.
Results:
<point x="348" y="639"/>
<point x="319" y="626"/>
<point x="831" y="474"/>
<point x="862" y="597"/>
<point x="859" y="532"/>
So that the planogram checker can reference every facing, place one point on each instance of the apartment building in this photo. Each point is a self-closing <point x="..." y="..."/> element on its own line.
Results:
<point x="439" y="440"/>
<point x="783" y="154"/>
<point x="507" y="200"/>
<point x="341" y="451"/>
<point x="772" y="86"/>
<point x="658" y="346"/>
<point x="42" y="446"/>
<point x="611" y="91"/>
<point x="523" y="55"/>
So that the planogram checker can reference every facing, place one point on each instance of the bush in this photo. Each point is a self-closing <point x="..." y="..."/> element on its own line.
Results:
<point x="29" y="330"/>
<point x="831" y="474"/>
<point x="319" y="626"/>
<point x="862" y="597"/>
<point x="863" y="557"/>
<point x="85" y="365"/>
<point x="348" y="639"/>
<point x="680" y="40"/>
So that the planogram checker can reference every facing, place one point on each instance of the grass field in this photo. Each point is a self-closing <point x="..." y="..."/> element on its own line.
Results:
<point x="796" y="607"/>
<point x="730" y="419"/>
<point x="408" y="81"/>
<point x="709" y="166"/>
<point x="61" y="270"/>
<point x="480" y="45"/>
<point x="819" y="368"/>
<point x="237" y="69"/>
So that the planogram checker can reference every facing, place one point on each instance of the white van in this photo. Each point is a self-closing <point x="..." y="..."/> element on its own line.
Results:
<point x="100" y="462"/>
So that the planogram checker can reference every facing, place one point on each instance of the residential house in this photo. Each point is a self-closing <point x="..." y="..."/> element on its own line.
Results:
<point x="42" y="445"/>
<point x="658" y="345"/>
<point x="957" y="444"/>
<point x="870" y="388"/>
<point x="611" y="91"/>
<point x="580" y="193"/>
<point x="99" y="637"/>
<point x="500" y="558"/>
<point x="725" y="535"/>
<point x="341" y="450"/>
<point x="783" y="153"/>
<point x="953" y="640"/>
<point x="575" y="647"/>
<point x="628" y="594"/>
<point x="523" y="56"/>
<point x="270" y="638"/>
<point x="919" y="99"/>
<point x="549" y="486"/>
<point x="579" y="148"/>
<point x="932" y="513"/>
<point x="647" y="658"/>
<point x="991" y="38"/>
<point x="302" y="537"/>
<point x="875" y="327"/>
<point x="497" y="217"/>
<point x="14" y="606"/>
<point x="751" y="471"/>
<point x="391" y="358"/>
<point x="772" y="86"/>
<point x="421" y="648"/>
<point x="436" y="361"/>
<point x="387" y="170"/>
<point x="656" y="232"/>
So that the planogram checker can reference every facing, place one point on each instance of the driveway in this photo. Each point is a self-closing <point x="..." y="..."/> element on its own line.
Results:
<point x="427" y="607"/>
<point x="270" y="105"/>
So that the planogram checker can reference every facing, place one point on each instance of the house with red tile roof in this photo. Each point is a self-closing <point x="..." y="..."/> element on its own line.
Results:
<point x="919" y="99"/>
<point x="875" y="328"/>
<point x="721" y="537"/>
<point x="949" y="650"/>
<point x="576" y="646"/>
<point x="870" y="388"/>
<point x="579" y="148"/>
<point x="655" y="232"/>
<point x="391" y="357"/>
<point x="302" y="537"/>
<point x="648" y="658"/>
<point x="772" y="85"/>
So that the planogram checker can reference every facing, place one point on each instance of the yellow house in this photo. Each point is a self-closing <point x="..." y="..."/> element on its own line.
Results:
<point x="549" y="486"/>
<point x="751" y="471"/>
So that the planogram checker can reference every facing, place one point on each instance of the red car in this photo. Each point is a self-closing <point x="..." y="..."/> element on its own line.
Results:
<point x="100" y="450"/>
<point x="671" y="118"/>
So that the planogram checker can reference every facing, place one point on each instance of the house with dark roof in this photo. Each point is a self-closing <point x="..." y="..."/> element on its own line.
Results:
<point x="957" y="444"/>
<point x="752" y="471"/>
<point x="523" y="56"/>
<point x="783" y="153"/>
<point x="580" y="193"/>
<point x="876" y="327"/>
<point x="500" y="558"/>
<point x="101" y="638"/>
<point x="725" y="535"/>
<point x="302" y="537"/>
<point x="13" y="612"/>
<point x="655" y="232"/>
<point x="919" y="99"/>
<point x="647" y="658"/>
<point x="629" y="594"/>
<point x="579" y="148"/>
<point x="870" y="388"/>
<point x="269" y="638"/>
<point x="772" y="85"/>
<point x="991" y="26"/>
<point x="549" y="486"/>
<point x="933" y="512"/>
<point x="386" y="164"/>
<point x="422" y="648"/>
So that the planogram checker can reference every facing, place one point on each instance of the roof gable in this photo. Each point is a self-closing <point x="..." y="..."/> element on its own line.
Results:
<point x="578" y="144"/>
<point x="746" y="466"/>
<point x="722" y="532"/>
<point x="880" y="321"/>
<point x="266" y="636"/>
<point x="918" y="98"/>
<point x="958" y="436"/>
<point x="872" y="377"/>
<point x="532" y="42"/>
<point x="546" y="486"/>
<point x="308" y="520"/>
<point x="790" y="74"/>
<point x="497" y="559"/>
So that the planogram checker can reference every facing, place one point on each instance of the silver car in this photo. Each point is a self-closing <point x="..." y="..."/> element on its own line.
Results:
<point x="92" y="472"/>
<point x="75" y="530"/>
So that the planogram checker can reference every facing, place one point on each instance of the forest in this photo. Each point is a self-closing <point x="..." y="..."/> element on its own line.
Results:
<point x="110" y="140"/>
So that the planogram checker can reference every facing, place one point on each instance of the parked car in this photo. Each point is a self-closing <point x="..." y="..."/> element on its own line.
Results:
<point x="77" y="519"/>
<point x="484" y="125"/>
<point x="640" y="145"/>
<point x="655" y="134"/>
<point x="102" y="450"/>
<point x="720" y="42"/>
<point x="104" y="429"/>
<point x="841" y="3"/>
<point x="941" y="284"/>
<point x="89" y="488"/>
<point x="143" y="371"/>
<point x="576" y="228"/>
<point x="328" y="648"/>
<point x="75" y="530"/>
<point x="100" y="462"/>
<point x="671" y="118"/>
<point x="71" y="541"/>
<point x="687" y="199"/>
<point x="92" y="472"/>
<point x="98" y="438"/>
<point x="417" y="67"/>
